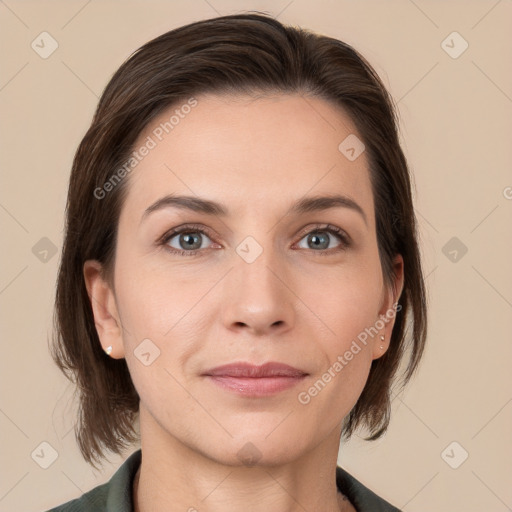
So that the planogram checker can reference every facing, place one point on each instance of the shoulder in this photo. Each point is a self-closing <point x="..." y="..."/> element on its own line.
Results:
<point x="362" y="498"/>
<point x="94" y="500"/>
<point x="112" y="496"/>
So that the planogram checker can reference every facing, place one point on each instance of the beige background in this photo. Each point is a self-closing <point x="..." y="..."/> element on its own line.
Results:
<point x="456" y="121"/>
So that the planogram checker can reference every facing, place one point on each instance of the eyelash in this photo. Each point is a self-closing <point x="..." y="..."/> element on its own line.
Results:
<point x="195" y="228"/>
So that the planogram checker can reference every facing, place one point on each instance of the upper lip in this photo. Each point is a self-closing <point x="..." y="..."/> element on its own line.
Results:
<point x="248" y="370"/>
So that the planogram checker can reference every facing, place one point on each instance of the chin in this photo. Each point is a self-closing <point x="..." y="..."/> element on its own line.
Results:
<point x="253" y="450"/>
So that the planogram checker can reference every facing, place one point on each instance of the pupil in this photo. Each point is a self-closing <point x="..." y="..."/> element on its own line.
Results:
<point x="316" y="240"/>
<point x="189" y="239"/>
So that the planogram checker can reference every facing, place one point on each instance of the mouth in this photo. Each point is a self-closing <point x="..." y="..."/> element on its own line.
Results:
<point x="255" y="381"/>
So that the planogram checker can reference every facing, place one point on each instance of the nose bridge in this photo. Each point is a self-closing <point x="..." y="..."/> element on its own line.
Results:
<point x="257" y="265"/>
<point x="257" y="295"/>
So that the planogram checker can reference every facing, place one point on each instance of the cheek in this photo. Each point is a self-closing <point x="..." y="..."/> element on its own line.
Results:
<point x="157" y="311"/>
<point x="336" y="387"/>
<point x="348" y="306"/>
<point x="153" y="297"/>
<point x="166" y="306"/>
<point x="347" y="302"/>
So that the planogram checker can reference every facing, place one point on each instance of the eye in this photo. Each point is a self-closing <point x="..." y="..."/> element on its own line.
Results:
<point x="185" y="240"/>
<point x="319" y="240"/>
<point x="189" y="240"/>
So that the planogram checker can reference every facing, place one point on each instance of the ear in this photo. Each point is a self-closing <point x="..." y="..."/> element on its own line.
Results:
<point x="387" y="312"/>
<point x="106" y="317"/>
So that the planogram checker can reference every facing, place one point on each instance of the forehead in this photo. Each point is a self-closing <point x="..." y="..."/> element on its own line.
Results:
<point x="255" y="155"/>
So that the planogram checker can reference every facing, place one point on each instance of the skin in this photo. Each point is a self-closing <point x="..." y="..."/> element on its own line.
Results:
<point x="294" y="305"/>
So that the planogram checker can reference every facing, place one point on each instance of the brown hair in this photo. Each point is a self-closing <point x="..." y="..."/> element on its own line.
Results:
<point x="233" y="54"/>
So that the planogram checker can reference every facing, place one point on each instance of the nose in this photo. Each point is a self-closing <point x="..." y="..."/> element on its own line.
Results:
<point x="258" y="297"/>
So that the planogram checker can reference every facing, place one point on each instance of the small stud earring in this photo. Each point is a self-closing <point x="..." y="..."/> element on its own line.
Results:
<point x="108" y="350"/>
<point x="381" y="339"/>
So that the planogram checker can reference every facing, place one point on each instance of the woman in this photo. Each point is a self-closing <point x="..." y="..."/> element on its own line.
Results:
<point x="239" y="269"/>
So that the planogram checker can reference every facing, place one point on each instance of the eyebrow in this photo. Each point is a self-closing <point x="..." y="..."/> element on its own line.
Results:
<point x="304" y="205"/>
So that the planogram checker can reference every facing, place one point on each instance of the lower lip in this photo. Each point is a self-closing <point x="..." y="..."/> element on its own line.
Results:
<point x="262" y="386"/>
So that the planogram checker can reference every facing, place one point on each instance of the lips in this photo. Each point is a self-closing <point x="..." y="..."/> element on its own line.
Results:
<point x="253" y="381"/>
<point x="247" y="370"/>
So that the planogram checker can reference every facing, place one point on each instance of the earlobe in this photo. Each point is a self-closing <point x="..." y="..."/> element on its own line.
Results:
<point x="380" y="347"/>
<point x="106" y="318"/>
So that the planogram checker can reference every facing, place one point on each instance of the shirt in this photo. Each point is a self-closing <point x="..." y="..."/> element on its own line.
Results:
<point x="116" y="494"/>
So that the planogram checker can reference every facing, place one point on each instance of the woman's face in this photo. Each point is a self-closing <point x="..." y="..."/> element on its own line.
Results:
<point x="261" y="282"/>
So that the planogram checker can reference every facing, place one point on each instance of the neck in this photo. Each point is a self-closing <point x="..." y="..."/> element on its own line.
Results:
<point x="172" y="475"/>
<point x="343" y="503"/>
